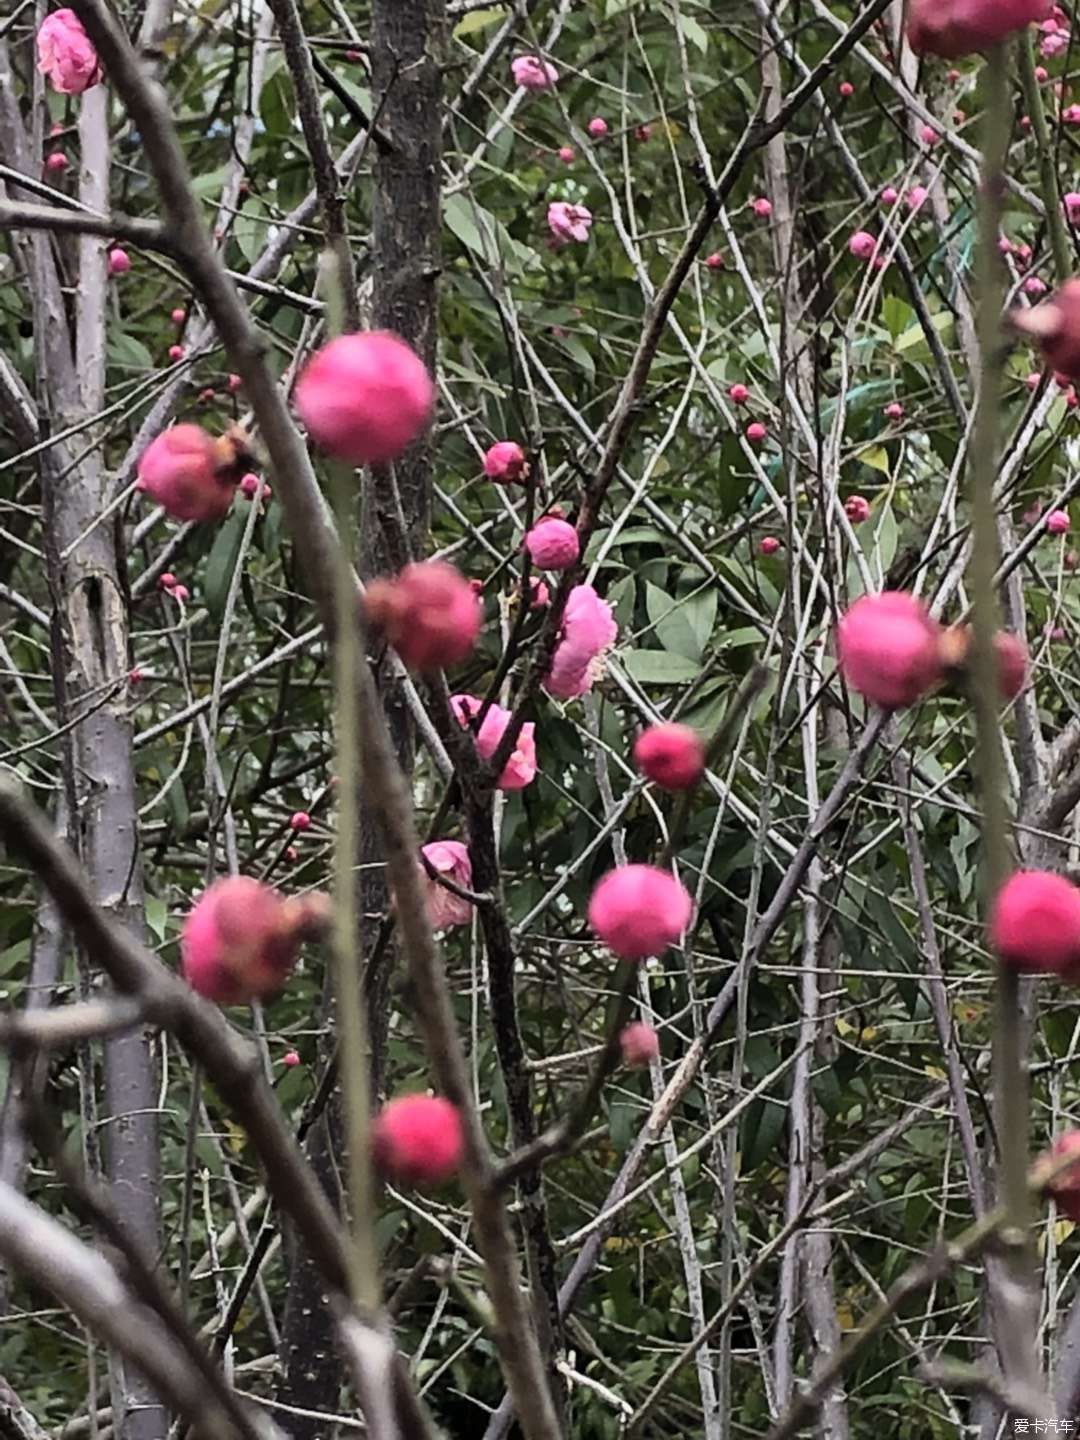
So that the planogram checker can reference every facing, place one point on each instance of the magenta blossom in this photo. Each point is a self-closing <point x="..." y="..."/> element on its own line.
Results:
<point x="520" y="769"/>
<point x="568" y="222"/>
<point x="533" y="73"/>
<point x="444" y="908"/>
<point x="66" y="55"/>
<point x="588" y="631"/>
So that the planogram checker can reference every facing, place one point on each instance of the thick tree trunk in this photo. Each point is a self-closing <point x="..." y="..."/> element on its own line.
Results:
<point x="407" y="39"/>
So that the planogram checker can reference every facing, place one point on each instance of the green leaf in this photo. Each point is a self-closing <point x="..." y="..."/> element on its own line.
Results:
<point x="157" y="913"/>
<point x="222" y="562"/>
<point x="877" y="457"/>
<point x="659" y="667"/>
<point x="479" y="20"/>
<point x="694" y="33"/>
<point x="672" y="622"/>
<point x="912" y="343"/>
<point x="896" y="316"/>
<point x="127" y="352"/>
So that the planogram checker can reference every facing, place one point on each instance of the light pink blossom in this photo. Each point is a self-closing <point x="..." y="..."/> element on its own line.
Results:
<point x="533" y="73"/>
<point x="568" y="222"/>
<point x="444" y="908"/>
<point x="66" y="54"/>
<point x="520" y="769"/>
<point x="588" y="631"/>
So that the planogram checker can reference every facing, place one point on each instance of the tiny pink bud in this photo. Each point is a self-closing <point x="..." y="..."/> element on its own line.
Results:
<point x="418" y="1140"/>
<point x="167" y="581"/>
<point x="365" y="397"/>
<point x="119" y="261"/>
<point x="1025" y="122"/>
<point x="893" y="411"/>
<point x="929" y="136"/>
<point x="888" y="649"/>
<point x="208" y="395"/>
<point x="862" y="245"/>
<point x="769" y="545"/>
<point x="135" y="676"/>
<point x="533" y="73"/>
<point x="354" y="56"/>
<point x="761" y="207"/>
<point x="916" y="198"/>
<point x="234" y="384"/>
<point x="671" y="756"/>
<point x="428" y="612"/>
<point x="738" y="393"/>
<point x="1004" y="246"/>
<point x="181" y="594"/>
<point x="952" y="76"/>
<point x="179" y="315"/>
<point x="857" y="509"/>
<point x="715" y="261"/>
<point x="639" y="1044"/>
<point x="290" y="1059"/>
<point x="300" y="821"/>
<point x="1035" y="923"/>
<point x="176" y="352"/>
<point x="249" y="485"/>
<point x="553" y="543"/>
<point x="1042" y="74"/>
<point x="846" y="89"/>
<point x="890" y="195"/>
<point x="1023" y="253"/>
<point x="56" y="129"/>
<point x="56" y="161"/>
<point x="1034" y="286"/>
<point x="292" y="854"/>
<point x="597" y="127"/>
<point x="505" y="461"/>
<point x="1071" y="203"/>
<point x="756" y="432"/>
<point x="643" y="132"/>
<point x="567" y="154"/>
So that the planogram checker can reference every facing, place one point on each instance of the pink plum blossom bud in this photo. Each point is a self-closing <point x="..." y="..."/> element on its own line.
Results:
<point x="887" y="647"/>
<point x="1035" y="923"/>
<point x="521" y="767"/>
<point x="190" y="473"/>
<point x="567" y="154"/>
<point x="588" y="632"/>
<point x="951" y="28"/>
<point x="118" y="261"/>
<point x="365" y="397"/>
<point x="1071" y="203"/>
<point x="249" y="485"/>
<point x="241" y="939"/>
<point x="167" y="581"/>
<point x="428" y="613"/>
<point x="56" y="162"/>
<point x="178" y="316"/>
<point x="290" y="1059"/>
<point x="533" y="73"/>
<point x="1055" y="327"/>
<point x="292" y="854"/>
<point x="135" y="676"/>
<point x="207" y="396"/>
<point x="418" y="1139"/>
<point x="738" y="393"/>
<point x="671" y="756"/>
<point x="176" y="352"/>
<point x="857" y="509"/>
<point x="539" y="594"/>
<point x="929" y="136"/>
<point x="893" y="411"/>
<point x="553" y="544"/>
<point x="638" y="911"/>
<point x="505" y="461"/>
<point x="181" y="594"/>
<point x="1057" y="522"/>
<point x="1011" y="656"/>
<point x="1004" y="245"/>
<point x="916" y="197"/>
<point x="444" y="908"/>
<point x="846" y="89"/>
<point x="756" y="432"/>
<point x="862" y="245"/>
<point x="715" y="261"/>
<point x="300" y="821"/>
<point x="761" y="207"/>
<point x="234" y="384"/>
<point x="1023" y="253"/>
<point x="769" y="545"/>
<point x="1065" y="1184"/>
<point x="568" y="222"/>
<point x="890" y="195"/>
<point x="1033" y="380"/>
<point x="952" y="76"/>
<point x="65" y="53"/>
<point x="1034" y="286"/>
<point x="640" y="1045"/>
<point x="643" y="132"/>
<point x="1042" y="74"/>
<point x="597" y="127"/>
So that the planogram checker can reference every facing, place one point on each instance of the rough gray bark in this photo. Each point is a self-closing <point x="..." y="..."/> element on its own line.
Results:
<point x="90" y="664"/>
<point x="406" y="39"/>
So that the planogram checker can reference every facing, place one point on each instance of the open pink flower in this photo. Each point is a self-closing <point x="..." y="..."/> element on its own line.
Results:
<point x="241" y="938"/>
<point x="588" y="631"/>
<point x="429" y="613"/>
<point x="66" y="55"/>
<point x="444" y="908"/>
<point x="533" y="73"/>
<point x="1071" y="203"/>
<point x="568" y="222"/>
<point x="951" y="28"/>
<point x="520" y="769"/>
